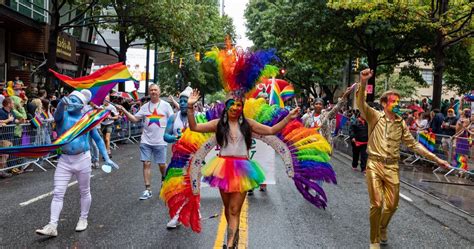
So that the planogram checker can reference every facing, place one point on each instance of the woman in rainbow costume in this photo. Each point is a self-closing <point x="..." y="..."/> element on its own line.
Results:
<point x="304" y="150"/>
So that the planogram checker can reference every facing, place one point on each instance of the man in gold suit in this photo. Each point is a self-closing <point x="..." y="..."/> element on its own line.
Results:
<point x="386" y="131"/>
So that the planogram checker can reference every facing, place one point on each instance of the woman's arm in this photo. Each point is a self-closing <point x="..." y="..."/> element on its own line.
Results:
<point x="267" y="130"/>
<point x="210" y="126"/>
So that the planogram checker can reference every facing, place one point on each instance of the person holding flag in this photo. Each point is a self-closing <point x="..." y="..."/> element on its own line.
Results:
<point x="74" y="160"/>
<point x="321" y="119"/>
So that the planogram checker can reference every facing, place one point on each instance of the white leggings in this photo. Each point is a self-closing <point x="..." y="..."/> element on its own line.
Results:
<point x="69" y="165"/>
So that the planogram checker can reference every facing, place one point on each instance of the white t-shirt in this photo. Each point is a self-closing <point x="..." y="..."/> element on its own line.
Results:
<point x="155" y="116"/>
<point x="113" y="112"/>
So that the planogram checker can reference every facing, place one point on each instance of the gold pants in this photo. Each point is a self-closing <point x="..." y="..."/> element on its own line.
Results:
<point x="383" y="184"/>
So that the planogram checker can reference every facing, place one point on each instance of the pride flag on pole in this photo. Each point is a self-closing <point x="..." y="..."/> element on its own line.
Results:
<point x="275" y="95"/>
<point x="36" y="121"/>
<point x="287" y="92"/>
<point x="461" y="162"/>
<point x="100" y="82"/>
<point x="341" y="120"/>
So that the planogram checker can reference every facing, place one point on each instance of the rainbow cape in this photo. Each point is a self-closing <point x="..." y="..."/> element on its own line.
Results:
<point x="87" y="122"/>
<point x="461" y="162"/>
<point x="307" y="150"/>
<point x="427" y="139"/>
<point x="100" y="82"/>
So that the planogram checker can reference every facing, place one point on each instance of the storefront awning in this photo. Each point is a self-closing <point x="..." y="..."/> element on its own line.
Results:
<point x="100" y="54"/>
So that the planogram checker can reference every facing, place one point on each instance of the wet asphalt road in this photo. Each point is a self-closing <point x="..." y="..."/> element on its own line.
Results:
<point x="279" y="218"/>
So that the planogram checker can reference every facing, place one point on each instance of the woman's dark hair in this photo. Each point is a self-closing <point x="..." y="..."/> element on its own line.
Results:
<point x="223" y="130"/>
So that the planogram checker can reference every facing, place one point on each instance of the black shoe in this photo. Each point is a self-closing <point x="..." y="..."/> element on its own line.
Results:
<point x="250" y="192"/>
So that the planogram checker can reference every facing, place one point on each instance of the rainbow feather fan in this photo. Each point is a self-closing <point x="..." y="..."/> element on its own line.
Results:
<point x="308" y="149"/>
<point x="240" y="70"/>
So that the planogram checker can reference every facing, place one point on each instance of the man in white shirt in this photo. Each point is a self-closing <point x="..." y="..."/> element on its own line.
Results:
<point x="108" y="123"/>
<point x="152" y="145"/>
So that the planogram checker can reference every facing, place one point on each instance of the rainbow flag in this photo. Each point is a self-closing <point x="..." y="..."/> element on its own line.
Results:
<point x="461" y="162"/>
<point x="36" y="121"/>
<point x="275" y="95"/>
<point x="341" y="120"/>
<point x="87" y="122"/>
<point x="427" y="139"/>
<point x="287" y="92"/>
<point x="100" y="82"/>
<point x="45" y="115"/>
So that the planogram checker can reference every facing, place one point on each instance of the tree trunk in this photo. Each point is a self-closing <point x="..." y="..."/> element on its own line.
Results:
<point x="372" y="60"/>
<point x="52" y="47"/>
<point x="439" y="64"/>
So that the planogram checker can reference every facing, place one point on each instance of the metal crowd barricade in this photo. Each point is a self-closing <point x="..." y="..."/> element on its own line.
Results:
<point x="135" y="131"/>
<point x="120" y="132"/>
<point x="21" y="135"/>
<point x="461" y="146"/>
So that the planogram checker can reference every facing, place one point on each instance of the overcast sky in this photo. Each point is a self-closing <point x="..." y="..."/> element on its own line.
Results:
<point x="235" y="9"/>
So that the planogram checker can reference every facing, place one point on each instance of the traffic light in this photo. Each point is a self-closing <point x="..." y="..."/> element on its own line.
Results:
<point x="355" y="65"/>
<point x="172" y="57"/>
<point x="282" y="71"/>
<point x="197" y="55"/>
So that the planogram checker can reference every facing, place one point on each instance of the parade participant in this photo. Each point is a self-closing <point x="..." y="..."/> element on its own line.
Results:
<point x="74" y="160"/>
<point x="232" y="171"/>
<point x="386" y="131"/>
<point x="359" y="136"/>
<point x="304" y="151"/>
<point x="107" y="125"/>
<point x="321" y="119"/>
<point x="152" y="145"/>
<point x="177" y="123"/>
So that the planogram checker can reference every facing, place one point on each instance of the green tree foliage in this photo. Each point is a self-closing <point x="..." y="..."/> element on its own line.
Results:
<point x="290" y="27"/>
<point x="405" y="85"/>
<point x="460" y="67"/>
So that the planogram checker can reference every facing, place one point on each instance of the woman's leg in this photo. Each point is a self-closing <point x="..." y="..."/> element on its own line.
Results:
<point x="233" y="209"/>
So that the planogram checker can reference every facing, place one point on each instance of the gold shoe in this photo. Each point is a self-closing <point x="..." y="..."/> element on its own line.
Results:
<point x="374" y="246"/>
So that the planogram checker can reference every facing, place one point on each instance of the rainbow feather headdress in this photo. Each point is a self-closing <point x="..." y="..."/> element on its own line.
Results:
<point x="239" y="70"/>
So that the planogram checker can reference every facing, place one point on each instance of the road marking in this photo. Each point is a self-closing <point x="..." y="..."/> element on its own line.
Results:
<point x="243" y="228"/>
<point x="45" y="195"/>
<point x="406" y="197"/>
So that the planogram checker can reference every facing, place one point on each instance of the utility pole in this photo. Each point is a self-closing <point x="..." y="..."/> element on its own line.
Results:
<point x="155" y="71"/>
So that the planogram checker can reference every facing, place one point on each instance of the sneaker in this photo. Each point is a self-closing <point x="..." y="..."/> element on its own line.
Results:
<point x="354" y="169"/>
<point x="48" y="230"/>
<point x="173" y="223"/>
<point x="146" y="195"/>
<point x="250" y="192"/>
<point x="81" y="225"/>
<point x="263" y="188"/>
<point x="95" y="165"/>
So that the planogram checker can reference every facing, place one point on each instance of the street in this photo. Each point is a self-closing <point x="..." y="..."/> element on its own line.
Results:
<point x="279" y="218"/>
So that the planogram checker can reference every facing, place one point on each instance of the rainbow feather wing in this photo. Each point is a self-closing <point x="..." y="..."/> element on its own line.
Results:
<point x="309" y="150"/>
<point x="177" y="189"/>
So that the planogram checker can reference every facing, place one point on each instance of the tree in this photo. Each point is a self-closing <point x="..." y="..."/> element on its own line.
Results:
<point x="272" y="24"/>
<point x="460" y="67"/>
<point x="405" y="85"/>
<point x="452" y="23"/>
